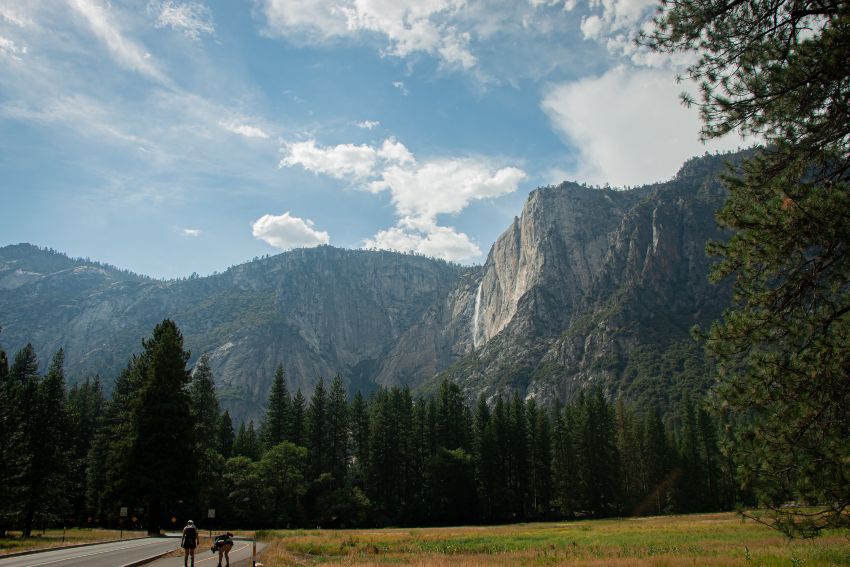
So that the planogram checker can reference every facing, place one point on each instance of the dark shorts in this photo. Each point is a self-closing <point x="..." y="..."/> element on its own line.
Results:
<point x="189" y="545"/>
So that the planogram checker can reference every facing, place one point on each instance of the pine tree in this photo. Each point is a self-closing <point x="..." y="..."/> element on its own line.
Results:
<point x="564" y="462"/>
<point x="655" y="462"/>
<point x="86" y="404"/>
<point x="779" y="70"/>
<point x="359" y="439"/>
<point x="225" y="435"/>
<point x="596" y="450"/>
<point x="338" y="431"/>
<point x="519" y="448"/>
<point x="11" y="449"/>
<point x="629" y="449"/>
<point x="204" y="408"/>
<point x="503" y="496"/>
<point x="162" y="459"/>
<point x="247" y="444"/>
<point x="541" y="466"/>
<point x="276" y="425"/>
<point x="20" y="419"/>
<point x="409" y="477"/>
<point x="109" y="482"/>
<point x="486" y="459"/>
<point x="384" y="455"/>
<point x="692" y="479"/>
<point x="48" y="460"/>
<point x="299" y="418"/>
<point x="451" y="422"/>
<point x="317" y="431"/>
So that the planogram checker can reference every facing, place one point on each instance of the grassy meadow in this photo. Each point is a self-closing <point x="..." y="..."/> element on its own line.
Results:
<point x="704" y="539"/>
<point x="13" y="542"/>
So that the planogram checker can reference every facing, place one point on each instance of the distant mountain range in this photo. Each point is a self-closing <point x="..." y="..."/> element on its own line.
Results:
<point x="587" y="286"/>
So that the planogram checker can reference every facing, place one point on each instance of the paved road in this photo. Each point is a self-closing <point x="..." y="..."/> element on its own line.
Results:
<point x="203" y="558"/>
<point x="102" y="555"/>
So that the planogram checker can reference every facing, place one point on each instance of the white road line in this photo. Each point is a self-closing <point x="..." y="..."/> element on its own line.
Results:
<point x="113" y="550"/>
<point x="216" y="555"/>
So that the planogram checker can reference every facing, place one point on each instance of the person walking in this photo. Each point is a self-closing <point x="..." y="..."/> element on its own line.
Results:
<point x="189" y="543"/>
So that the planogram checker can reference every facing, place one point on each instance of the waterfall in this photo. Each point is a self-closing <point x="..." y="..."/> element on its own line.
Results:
<point x="475" y="315"/>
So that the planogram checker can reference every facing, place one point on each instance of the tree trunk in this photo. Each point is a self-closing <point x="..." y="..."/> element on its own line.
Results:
<point x="29" y="515"/>
<point x="153" y="516"/>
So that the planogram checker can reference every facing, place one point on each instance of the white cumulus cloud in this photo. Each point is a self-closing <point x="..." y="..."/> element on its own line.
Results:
<point x="436" y="241"/>
<point x="286" y="232"/>
<point x="192" y="18"/>
<point x="193" y="232"/>
<point x="615" y="16"/>
<point x="419" y="191"/>
<point x="344" y="161"/>
<point x="444" y="186"/>
<point x="628" y="126"/>
<point x="340" y="162"/>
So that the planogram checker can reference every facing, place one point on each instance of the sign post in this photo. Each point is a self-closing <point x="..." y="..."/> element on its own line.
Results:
<point x="211" y="516"/>
<point x="123" y="514"/>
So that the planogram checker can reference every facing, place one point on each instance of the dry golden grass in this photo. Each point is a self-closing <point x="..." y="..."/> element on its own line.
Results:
<point x="703" y="540"/>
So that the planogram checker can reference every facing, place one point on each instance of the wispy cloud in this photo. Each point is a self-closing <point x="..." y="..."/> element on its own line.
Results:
<point x="11" y="49"/>
<point x="367" y="124"/>
<point x="401" y="87"/>
<point x="192" y="232"/>
<point x="286" y="232"/>
<point x="124" y="50"/>
<point x="193" y="19"/>
<point x="244" y="130"/>
<point x="12" y="13"/>
<point x="408" y="26"/>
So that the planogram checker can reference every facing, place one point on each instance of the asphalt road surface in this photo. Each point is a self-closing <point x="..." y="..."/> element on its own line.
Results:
<point x="203" y="558"/>
<point x="112" y="554"/>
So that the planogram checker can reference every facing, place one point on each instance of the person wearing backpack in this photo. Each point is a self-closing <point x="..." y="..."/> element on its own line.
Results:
<point x="223" y="544"/>
<point x="189" y="543"/>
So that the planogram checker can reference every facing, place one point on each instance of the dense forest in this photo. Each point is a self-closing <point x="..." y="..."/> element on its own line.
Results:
<point x="161" y="447"/>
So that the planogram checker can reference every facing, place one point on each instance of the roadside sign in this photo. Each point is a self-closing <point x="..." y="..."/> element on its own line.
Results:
<point x="173" y="519"/>
<point x="211" y="513"/>
<point x="123" y="511"/>
<point x="135" y="519"/>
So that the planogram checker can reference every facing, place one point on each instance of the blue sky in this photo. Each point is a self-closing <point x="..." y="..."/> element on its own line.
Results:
<point x="179" y="136"/>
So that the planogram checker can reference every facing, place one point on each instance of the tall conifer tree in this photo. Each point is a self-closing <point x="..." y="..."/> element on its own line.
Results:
<point x="276" y="424"/>
<point x="299" y="419"/>
<point x="317" y="431"/>
<point x="162" y="459"/>
<point x="337" y="423"/>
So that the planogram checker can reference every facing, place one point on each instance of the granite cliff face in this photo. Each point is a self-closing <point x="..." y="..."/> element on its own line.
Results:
<point x="587" y="286"/>
<point x="594" y="286"/>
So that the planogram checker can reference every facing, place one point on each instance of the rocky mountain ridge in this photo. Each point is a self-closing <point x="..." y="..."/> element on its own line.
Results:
<point x="587" y="286"/>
